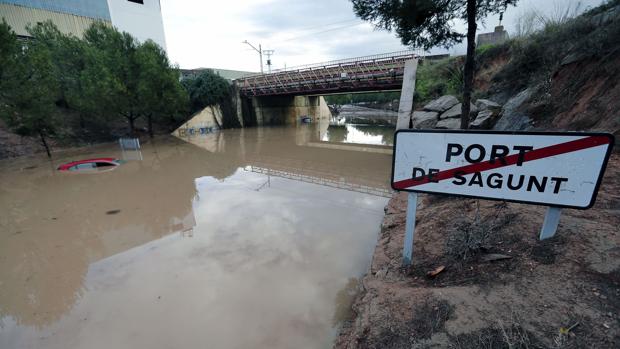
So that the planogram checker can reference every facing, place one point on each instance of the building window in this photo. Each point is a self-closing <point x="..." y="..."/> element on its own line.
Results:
<point x="137" y="1"/>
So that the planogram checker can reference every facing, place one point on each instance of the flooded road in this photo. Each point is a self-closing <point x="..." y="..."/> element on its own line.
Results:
<point x="245" y="238"/>
<point x="360" y="134"/>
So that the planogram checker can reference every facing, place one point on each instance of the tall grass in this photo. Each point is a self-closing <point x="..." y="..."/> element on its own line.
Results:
<point x="438" y="78"/>
<point x="535" y="57"/>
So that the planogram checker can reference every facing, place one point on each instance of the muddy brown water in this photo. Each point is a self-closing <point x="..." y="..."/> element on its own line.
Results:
<point x="238" y="239"/>
<point x="361" y="134"/>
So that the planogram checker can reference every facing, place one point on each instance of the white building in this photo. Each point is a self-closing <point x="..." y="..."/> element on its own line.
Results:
<point x="140" y="18"/>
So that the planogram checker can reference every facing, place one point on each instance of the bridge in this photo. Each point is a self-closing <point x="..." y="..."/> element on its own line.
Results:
<point x="369" y="73"/>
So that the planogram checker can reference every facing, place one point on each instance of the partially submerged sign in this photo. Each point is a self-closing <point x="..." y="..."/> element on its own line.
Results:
<point x="557" y="169"/>
<point x="553" y="169"/>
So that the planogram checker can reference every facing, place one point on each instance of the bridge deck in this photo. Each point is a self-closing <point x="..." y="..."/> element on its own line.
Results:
<point x="370" y="73"/>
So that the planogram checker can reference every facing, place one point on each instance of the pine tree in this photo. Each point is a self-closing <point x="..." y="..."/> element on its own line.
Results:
<point x="429" y="23"/>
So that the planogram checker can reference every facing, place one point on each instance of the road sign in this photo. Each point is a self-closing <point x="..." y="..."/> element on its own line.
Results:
<point x="554" y="169"/>
<point x="557" y="169"/>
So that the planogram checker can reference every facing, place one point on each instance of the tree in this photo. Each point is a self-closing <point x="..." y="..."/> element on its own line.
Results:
<point x="48" y="80"/>
<point x="10" y="56"/>
<point x="429" y="23"/>
<point x="206" y="89"/>
<point x="210" y="89"/>
<point x="30" y="86"/>
<point x="134" y="80"/>
<point x="160" y="93"/>
<point x="113" y="55"/>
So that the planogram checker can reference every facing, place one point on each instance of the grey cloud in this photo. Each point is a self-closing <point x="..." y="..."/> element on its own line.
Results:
<point x="282" y="15"/>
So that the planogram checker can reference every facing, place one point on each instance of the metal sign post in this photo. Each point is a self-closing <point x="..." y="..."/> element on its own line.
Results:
<point x="550" y="225"/>
<point x="555" y="169"/>
<point x="412" y="205"/>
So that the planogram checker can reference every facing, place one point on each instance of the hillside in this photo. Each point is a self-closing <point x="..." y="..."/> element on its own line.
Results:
<point x="564" y="77"/>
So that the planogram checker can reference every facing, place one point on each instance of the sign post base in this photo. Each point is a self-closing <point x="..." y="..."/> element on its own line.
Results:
<point x="550" y="225"/>
<point x="412" y="203"/>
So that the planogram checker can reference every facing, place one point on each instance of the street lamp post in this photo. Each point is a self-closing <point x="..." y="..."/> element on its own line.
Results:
<point x="260" y="53"/>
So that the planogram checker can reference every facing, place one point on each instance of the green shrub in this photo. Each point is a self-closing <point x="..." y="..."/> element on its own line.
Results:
<point x="438" y="78"/>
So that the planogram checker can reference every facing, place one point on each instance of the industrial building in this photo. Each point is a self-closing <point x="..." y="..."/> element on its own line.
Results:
<point x="140" y="18"/>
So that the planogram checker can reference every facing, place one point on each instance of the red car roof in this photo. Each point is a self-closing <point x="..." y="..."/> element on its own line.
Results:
<point x="85" y="161"/>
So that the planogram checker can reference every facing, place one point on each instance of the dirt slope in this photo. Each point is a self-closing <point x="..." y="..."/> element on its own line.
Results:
<point x="560" y="293"/>
<point x="12" y="145"/>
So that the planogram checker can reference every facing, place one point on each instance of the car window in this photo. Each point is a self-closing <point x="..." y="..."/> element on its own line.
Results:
<point x="105" y="164"/>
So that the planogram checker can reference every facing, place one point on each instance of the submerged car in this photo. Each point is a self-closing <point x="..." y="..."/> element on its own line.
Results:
<point x="100" y="164"/>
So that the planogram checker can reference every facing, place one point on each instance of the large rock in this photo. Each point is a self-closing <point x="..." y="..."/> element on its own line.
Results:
<point x="487" y="104"/>
<point x="450" y="124"/>
<point x="484" y="120"/>
<point x="441" y="104"/>
<point x="424" y="119"/>
<point x="512" y="118"/>
<point x="455" y="111"/>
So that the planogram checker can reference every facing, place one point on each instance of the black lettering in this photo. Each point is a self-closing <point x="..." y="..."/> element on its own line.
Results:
<point x="481" y="153"/>
<point x="522" y="150"/>
<point x="558" y="182"/>
<point x="499" y="152"/>
<point x="417" y="177"/>
<point x="540" y="186"/>
<point x="453" y="150"/>
<point x="458" y="178"/>
<point x="515" y="187"/>
<point x="476" y="179"/>
<point x="431" y="175"/>
<point x="494" y="184"/>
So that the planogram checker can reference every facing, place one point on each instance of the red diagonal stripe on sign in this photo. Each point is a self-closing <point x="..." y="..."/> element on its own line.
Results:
<point x="535" y="154"/>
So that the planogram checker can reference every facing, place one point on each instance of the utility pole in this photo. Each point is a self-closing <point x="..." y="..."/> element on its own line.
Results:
<point x="260" y="53"/>
<point x="268" y="53"/>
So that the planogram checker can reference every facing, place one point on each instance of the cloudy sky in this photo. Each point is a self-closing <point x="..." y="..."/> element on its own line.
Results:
<point x="210" y="33"/>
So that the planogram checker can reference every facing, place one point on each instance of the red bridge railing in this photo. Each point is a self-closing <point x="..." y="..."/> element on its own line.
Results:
<point x="369" y="73"/>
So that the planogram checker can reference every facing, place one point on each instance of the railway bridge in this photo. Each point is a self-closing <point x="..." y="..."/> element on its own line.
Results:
<point x="371" y="73"/>
<point x="286" y="96"/>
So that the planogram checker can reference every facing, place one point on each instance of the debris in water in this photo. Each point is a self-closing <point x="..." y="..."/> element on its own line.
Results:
<point x="436" y="272"/>
<point x="113" y="212"/>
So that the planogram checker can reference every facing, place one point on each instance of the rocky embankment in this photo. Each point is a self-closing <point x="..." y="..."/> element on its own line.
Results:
<point x="445" y="113"/>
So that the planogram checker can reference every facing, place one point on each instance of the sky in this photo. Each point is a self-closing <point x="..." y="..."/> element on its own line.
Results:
<point x="210" y="33"/>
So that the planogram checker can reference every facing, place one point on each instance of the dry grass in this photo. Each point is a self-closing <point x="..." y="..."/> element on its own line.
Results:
<point x="505" y="334"/>
<point x="471" y="235"/>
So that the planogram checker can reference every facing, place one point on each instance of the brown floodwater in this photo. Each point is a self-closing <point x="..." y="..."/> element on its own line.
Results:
<point x="248" y="238"/>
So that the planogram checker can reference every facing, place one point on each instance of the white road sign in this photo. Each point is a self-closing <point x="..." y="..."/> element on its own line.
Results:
<point x="553" y="169"/>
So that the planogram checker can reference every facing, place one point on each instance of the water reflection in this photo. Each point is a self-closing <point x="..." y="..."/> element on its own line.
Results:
<point x="360" y="134"/>
<point x="273" y="238"/>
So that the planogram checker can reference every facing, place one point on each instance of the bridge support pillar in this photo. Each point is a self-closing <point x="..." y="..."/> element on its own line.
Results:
<point x="238" y="104"/>
<point x="405" y="107"/>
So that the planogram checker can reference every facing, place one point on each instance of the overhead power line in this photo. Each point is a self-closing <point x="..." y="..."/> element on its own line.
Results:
<point x="328" y="24"/>
<point x="321" y="32"/>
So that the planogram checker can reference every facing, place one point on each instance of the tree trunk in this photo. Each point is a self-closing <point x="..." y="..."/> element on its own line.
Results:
<point x="47" y="148"/>
<point x="214" y="117"/>
<point x="132" y="128"/>
<point x="149" y="119"/>
<point x="468" y="72"/>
